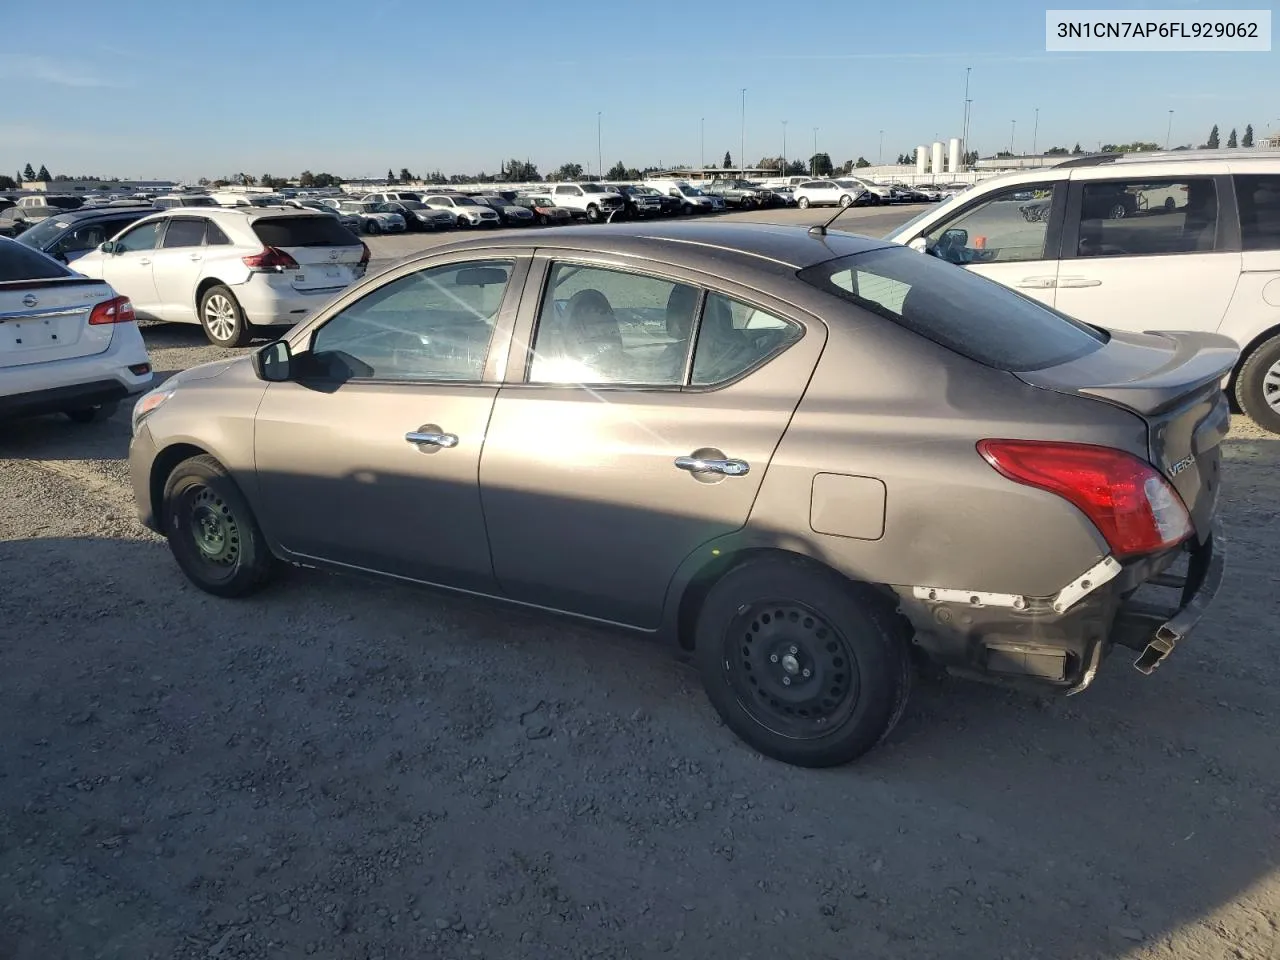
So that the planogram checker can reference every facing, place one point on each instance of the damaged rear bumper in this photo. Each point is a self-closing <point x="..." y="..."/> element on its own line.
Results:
<point x="1061" y="640"/>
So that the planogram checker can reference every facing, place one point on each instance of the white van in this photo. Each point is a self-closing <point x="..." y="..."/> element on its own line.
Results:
<point x="1186" y="240"/>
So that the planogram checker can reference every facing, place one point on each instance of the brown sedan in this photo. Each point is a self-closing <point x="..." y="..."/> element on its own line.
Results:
<point x="807" y="457"/>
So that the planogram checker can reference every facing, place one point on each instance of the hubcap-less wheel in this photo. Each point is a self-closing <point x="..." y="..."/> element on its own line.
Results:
<point x="220" y="316"/>
<point x="213" y="530"/>
<point x="1117" y="212"/>
<point x="790" y="669"/>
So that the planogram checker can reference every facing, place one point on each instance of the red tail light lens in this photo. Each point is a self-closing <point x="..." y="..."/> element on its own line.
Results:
<point x="116" y="310"/>
<point x="364" y="255"/>
<point x="1133" y="507"/>
<point x="271" y="258"/>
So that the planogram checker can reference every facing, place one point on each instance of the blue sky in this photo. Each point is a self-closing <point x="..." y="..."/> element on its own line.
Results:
<point x="163" y="89"/>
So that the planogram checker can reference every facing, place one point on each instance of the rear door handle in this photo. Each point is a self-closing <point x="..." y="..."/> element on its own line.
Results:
<point x="431" y="439"/>
<point x="1078" y="282"/>
<point x="728" y="467"/>
<point x="1036" y="283"/>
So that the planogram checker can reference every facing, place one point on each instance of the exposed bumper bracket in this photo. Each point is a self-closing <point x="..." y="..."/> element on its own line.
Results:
<point x="1104" y="571"/>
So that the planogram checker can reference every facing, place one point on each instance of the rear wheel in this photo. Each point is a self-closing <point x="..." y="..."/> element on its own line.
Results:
<point x="212" y="532"/>
<point x="94" y="414"/>
<point x="371" y="227"/>
<point x="804" y="666"/>
<point x="1258" y="385"/>
<point x="223" y="320"/>
<point x="846" y="201"/>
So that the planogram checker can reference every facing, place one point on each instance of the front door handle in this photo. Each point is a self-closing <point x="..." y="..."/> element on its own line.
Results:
<point x="727" y="467"/>
<point x="145" y="261"/>
<point x="1078" y="282"/>
<point x="196" y="256"/>
<point x="427" y="439"/>
<point x="1036" y="283"/>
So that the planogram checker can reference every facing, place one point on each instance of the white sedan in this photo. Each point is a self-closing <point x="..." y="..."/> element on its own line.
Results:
<point x="372" y="220"/>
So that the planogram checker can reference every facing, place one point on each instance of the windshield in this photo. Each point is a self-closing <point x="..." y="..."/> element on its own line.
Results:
<point x="928" y="212"/>
<point x="465" y="202"/>
<point x="20" y="263"/>
<point x="412" y="204"/>
<point x="690" y="191"/>
<point x="848" y="183"/>
<point x="43" y="232"/>
<point x="593" y="188"/>
<point x="199" y="202"/>
<point x="962" y="311"/>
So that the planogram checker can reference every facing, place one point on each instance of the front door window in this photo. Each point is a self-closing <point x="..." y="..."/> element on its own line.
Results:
<point x="1009" y="226"/>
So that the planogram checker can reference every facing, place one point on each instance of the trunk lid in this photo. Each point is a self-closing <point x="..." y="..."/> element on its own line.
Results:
<point x="327" y="253"/>
<point x="1173" y="381"/>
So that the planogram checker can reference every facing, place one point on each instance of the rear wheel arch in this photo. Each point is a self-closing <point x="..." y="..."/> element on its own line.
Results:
<point x="695" y="590"/>
<point x="1246" y="351"/>
<point x="204" y="286"/>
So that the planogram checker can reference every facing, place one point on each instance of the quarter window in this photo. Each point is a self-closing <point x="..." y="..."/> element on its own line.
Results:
<point x="1141" y="218"/>
<point x="214" y="235"/>
<point x="733" y="337"/>
<point x="1259" y="201"/>
<point x="432" y="325"/>
<point x="142" y="237"/>
<point x="601" y="326"/>
<point x="1008" y="226"/>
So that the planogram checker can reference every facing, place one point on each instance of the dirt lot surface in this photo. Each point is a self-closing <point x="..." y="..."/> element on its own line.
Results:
<point x="355" y="770"/>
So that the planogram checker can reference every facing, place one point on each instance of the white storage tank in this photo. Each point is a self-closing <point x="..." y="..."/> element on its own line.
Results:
<point x="953" y="150"/>
<point x="922" y="160"/>
<point x="937" y="157"/>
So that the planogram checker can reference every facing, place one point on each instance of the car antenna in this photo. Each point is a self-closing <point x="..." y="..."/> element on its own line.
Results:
<point x="820" y="230"/>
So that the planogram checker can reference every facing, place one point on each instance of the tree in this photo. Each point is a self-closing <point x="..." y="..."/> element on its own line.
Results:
<point x="1247" y="140"/>
<point x="862" y="162"/>
<point x="44" y="173"/>
<point x="1056" y="152"/>
<point x="567" y="171"/>
<point x="820" y="165"/>
<point x="221" y="183"/>
<point x="1232" y="142"/>
<point x="28" y="172"/>
<point x="306" y="179"/>
<point x="405" y="175"/>
<point x="1213" y="143"/>
<point x="7" y="182"/>
<point x="326" y="180"/>
<point x="1076" y="149"/>
<point x="617" y="172"/>
<point x="203" y="181"/>
<point x="728" y="161"/>
<point x="391" y="177"/>
<point x="796" y="168"/>
<point x="970" y="157"/>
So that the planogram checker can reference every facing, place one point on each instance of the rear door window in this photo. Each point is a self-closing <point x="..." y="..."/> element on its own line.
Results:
<point x="1259" y="200"/>
<point x="183" y="232"/>
<point x="964" y="312"/>
<point x="1137" y="218"/>
<point x="317" y="231"/>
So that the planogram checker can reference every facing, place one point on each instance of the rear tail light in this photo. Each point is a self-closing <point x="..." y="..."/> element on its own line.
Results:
<point x="1132" y="505"/>
<point x="271" y="258"/>
<point x="115" y="310"/>
<point x="364" y="254"/>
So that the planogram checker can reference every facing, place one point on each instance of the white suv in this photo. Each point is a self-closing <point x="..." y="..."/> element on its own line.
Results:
<point x="68" y="344"/>
<point x="1142" y="242"/>
<point x="230" y="269"/>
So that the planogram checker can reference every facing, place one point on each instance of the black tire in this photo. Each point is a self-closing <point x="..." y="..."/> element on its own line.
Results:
<point x="1253" y="390"/>
<point x="593" y="214"/>
<point x="803" y="203"/>
<point x="232" y="329"/>
<point x="846" y="201"/>
<point x="228" y="557"/>
<point x="846" y="649"/>
<point x="94" y="414"/>
<point x="371" y="227"/>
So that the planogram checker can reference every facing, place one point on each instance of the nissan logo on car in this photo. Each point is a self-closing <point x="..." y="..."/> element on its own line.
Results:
<point x="29" y="300"/>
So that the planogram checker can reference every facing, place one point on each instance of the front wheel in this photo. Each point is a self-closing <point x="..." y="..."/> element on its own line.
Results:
<point x="223" y="321"/>
<point x="803" y="665"/>
<point x="371" y="227"/>
<point x="846" y="201"/>
<point x="211" y="530"/>
<point x="803" y="203"/>
<point x="593" y="214"/>
<point x="1258" y="385"/>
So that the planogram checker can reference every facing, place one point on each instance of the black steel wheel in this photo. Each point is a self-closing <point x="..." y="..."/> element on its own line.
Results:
<point x="211" y="530"/>
<point x="803" y="665"/>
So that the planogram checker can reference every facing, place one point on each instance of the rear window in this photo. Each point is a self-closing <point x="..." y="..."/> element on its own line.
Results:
<point x="976" y="317"/>
<point x="22" y="263"/>
<point x="317" y="231"/>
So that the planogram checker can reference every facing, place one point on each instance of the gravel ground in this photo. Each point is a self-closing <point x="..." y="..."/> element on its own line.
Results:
<point x="344" y="769"/>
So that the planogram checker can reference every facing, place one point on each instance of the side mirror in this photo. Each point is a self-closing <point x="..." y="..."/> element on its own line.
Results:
<point x="919" y="244"/>
<point x="274" y="362"/>
<point x="107" y="246"/>
<point x="955" y="237"/>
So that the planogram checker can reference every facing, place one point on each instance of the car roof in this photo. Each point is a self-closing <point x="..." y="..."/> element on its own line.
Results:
<point x="89" y="213"/>
<point x="700" y="246"/>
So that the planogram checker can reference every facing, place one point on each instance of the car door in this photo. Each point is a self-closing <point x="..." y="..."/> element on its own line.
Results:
<point x="176" y="268"/>
<point x="128" y="268"/>
<point x="1146" y="252"/>
<point x="369" y="456"/>
<point x="1011" y="235"/>
<point x="1255" y="307"/>
<point x="602" y="471"/>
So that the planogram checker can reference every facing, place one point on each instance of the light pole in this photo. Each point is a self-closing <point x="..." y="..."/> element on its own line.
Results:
<point x="702" y="143"/>
<point x="599" y="152"/>
<point x="783" y="171"/>
<point x="964" y="130"/>
<point x="880" y="155"/>
<point x="814" y="162"/>
<point x="742" y="143"/>
<point x="1168" y="130"/>
<point x="1012" y="133"/>
<point x="1034" y="131"/>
